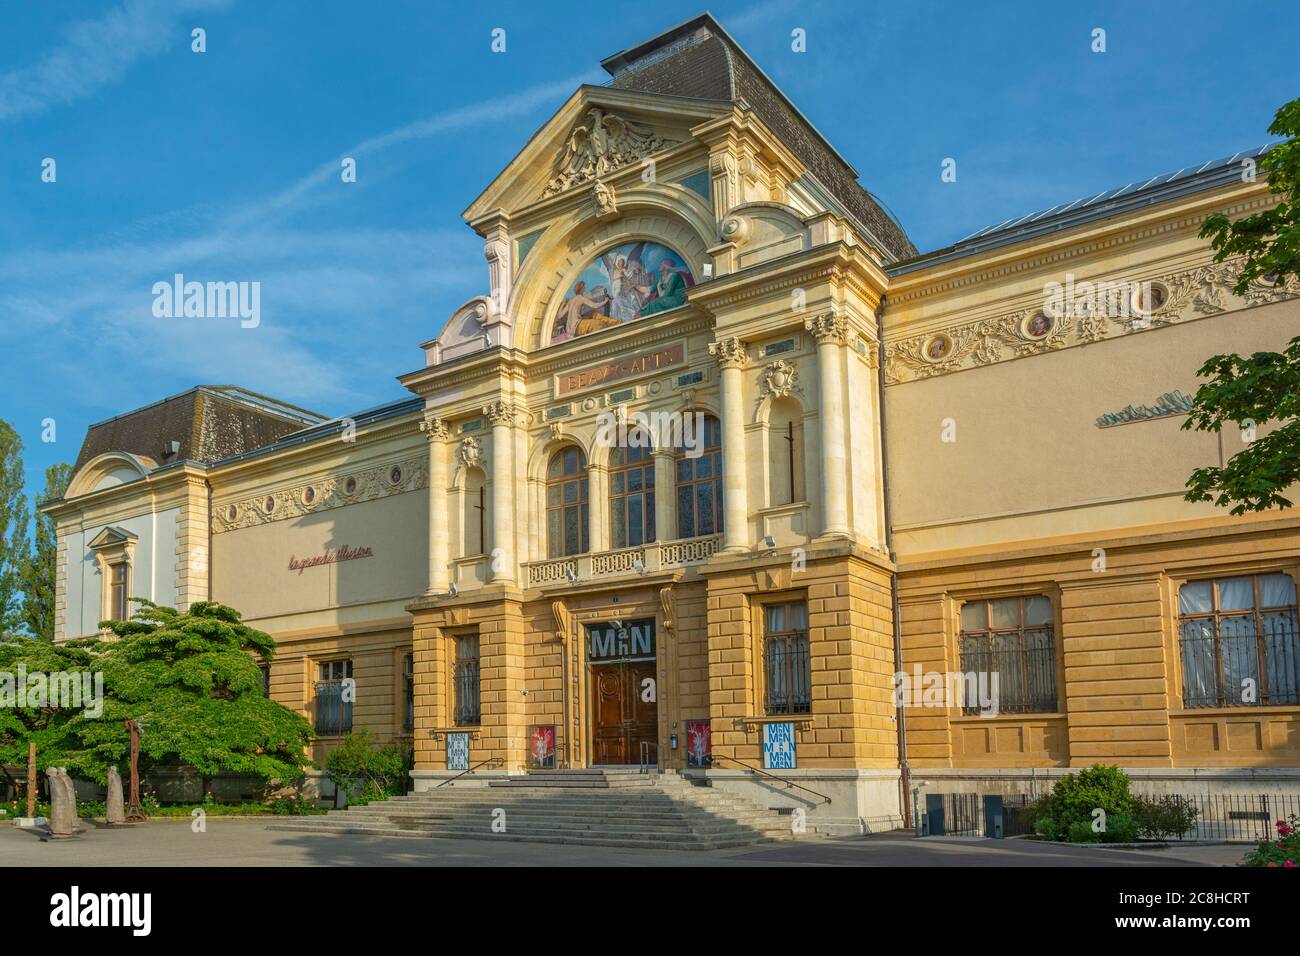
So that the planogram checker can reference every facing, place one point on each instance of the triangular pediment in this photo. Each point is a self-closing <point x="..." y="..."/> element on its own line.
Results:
<point x="597" y="133"/>
<point x="110" y="536"/>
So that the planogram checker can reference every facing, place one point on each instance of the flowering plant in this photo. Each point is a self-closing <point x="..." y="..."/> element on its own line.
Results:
<point x="1284" y="851"/>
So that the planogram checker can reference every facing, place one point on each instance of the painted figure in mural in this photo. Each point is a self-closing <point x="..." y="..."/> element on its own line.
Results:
<point x="620" y="286"/>
<point x="576" y="308"/>
<point x="670" y="290"/>
<point x="629" y="282"/>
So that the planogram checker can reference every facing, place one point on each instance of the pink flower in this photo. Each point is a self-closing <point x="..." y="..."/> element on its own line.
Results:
<point x="1289" y="864"/>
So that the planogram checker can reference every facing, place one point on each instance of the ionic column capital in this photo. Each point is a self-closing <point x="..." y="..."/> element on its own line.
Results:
<point x="730" y="352"/>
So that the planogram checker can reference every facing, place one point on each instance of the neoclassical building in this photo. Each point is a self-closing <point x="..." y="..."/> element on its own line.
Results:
<point x="718" y="454"/>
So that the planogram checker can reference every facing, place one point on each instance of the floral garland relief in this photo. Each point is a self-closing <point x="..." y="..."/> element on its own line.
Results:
<point x="321" y="494"/>
<point x="1205" y="290"/>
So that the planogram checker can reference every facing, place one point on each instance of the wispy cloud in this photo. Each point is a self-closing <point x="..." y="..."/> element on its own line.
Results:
<point x="97" y="53"/>
<point x="325" y="290"/>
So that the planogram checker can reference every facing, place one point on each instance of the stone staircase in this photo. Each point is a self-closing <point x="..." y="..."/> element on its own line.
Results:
<point x="604" y="807"/>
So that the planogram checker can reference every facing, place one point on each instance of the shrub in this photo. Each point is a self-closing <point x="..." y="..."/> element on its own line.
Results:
<point x="374" y="772"/>
<point x="1284" y="851"/>
<point x="1161" y="817"/>
<point x="1067" y="813"/>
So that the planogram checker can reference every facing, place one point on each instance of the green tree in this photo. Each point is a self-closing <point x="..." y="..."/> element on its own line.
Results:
<point x="39" y="568"/>
<point x="192" y="680"/>
<point x="47" y="725"/>
<point x="1262" y="389"/>
<point x="13" y="527"/>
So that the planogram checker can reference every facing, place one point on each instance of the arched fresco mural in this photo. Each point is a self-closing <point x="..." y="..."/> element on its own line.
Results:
<point x="621" y="285"/>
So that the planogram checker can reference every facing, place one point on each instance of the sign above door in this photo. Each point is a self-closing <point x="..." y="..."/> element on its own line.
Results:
<point x="612" y="641"/>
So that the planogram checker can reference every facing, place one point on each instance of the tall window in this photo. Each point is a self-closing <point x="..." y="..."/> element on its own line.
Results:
<point x="266" y="679"/>
<point x="117" y="602"/>
<point x="1012" y="638"/>
<point x="1239" y="641"/>
<point x="785" y="452"/>
<point x="466" y="680"/>
<point x="408" y="686"/>
<point x="566" y="503"/>
<point x="699" y="483"/>
<point x="334" y="699"/>
<point x="786" y="663"/>
<point x="475" y="530"/>
<point x="632" y="493"/>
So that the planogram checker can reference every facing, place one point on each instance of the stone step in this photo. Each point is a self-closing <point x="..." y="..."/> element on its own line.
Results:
<point x="559" y="801"/>
<point x="531" y="822"/>
<point x="674" y="841"/>
<point x="603" y="807"/>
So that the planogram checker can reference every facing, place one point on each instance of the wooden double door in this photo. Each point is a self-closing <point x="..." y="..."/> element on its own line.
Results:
<point x="624" y="712"/>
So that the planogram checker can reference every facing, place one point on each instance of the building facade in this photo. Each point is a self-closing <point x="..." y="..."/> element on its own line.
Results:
<point x="721" y="475"/>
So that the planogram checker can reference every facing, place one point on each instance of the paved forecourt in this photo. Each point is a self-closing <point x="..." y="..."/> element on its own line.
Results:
<point x="250" y="843"/>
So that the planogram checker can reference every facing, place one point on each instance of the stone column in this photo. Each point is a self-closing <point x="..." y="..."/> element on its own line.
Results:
<point x="831" y="333"/>
<point x="732" y="358"/>
<point x="501" y="568"/>
<point x="435" y="430"/>
<point x="665" y="494"/>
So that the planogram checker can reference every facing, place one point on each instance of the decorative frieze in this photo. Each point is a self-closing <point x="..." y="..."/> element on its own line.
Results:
<point x="1176" y="297"/>
<point x="321" y="494"/>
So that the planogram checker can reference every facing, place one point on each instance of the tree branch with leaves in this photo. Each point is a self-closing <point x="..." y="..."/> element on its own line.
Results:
<point x="1263" y="389"/>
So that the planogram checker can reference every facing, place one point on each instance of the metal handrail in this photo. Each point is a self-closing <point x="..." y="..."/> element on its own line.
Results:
<point x="761" y="772"/>
<point x="482" y="763"/>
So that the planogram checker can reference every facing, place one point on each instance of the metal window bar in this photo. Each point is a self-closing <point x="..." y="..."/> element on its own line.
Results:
<point x="408" y="676"/>
<point x="1025" y="663"/>
<point x="786" y="666"/>
<point x="1220" y="650"/>
<point x="467" y="682"/>
<point x="333" y="714"/>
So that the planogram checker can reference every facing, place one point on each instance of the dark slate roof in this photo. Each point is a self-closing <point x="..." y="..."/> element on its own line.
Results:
<point x="211" y="422"/>
<point x="1109" y="202"/>
<point x="699" y="59"/>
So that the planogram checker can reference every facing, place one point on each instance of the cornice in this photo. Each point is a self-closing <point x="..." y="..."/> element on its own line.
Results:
<point x="165" y="481"/>
<point x="838" y="263"/>
<point x="1039" y="253"/>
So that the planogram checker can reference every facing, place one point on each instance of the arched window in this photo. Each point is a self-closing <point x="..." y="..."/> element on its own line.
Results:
<point x="474" y="528"/>
<point x="699" y="479"/>
<point x="785" y="453"/>
<point x="632" y="492"/>
<point x="566" y="503"/>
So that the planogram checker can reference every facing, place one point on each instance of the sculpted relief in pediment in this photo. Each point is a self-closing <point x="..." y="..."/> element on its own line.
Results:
<point x="600" y="144"/>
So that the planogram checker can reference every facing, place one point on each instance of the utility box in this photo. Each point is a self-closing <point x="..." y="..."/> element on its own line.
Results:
<point x="934" y="812"/>
<point x="993" y="817"/>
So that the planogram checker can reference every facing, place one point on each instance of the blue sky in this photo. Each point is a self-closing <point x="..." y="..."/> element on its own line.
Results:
<point x="224" y="165"/>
